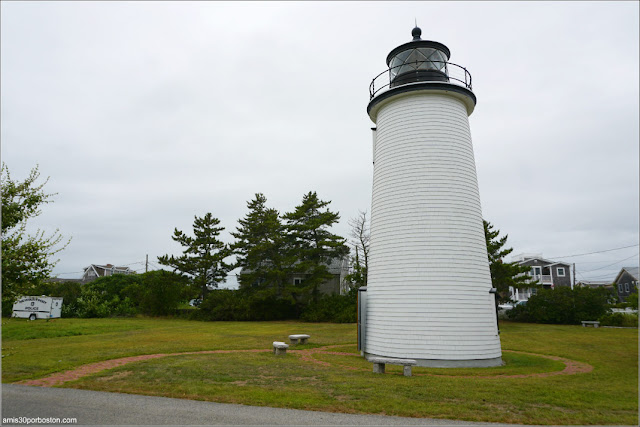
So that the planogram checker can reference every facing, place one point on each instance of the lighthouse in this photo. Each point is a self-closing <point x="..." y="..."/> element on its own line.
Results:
<point x="429" y="295"/>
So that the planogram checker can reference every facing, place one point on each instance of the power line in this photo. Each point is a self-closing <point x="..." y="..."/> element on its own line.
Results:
<point x="617" y="262"/>
<point x="596" y="252"/>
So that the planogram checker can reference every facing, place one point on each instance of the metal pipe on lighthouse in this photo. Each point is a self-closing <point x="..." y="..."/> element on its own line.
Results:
<point x="428" y="294"/>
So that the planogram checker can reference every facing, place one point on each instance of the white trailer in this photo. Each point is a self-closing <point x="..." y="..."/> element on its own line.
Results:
<point x="33" y="308"/>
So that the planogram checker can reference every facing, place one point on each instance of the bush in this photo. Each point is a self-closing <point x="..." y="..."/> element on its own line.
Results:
<point x="333" y="308"/>
<point x="156" y="293"/>
<point x="161" y="292"/>
<point x="562" y="306"/>
<point x="619" y="319"/>
<point x="7" y="307"/>
<point x="224" y="304"/>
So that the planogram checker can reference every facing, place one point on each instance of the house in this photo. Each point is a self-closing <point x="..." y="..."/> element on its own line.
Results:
<point x="547" y="273"/>
<point x="626" y="282"/>
<point x="94" y="271"/>
<point x="595" y="284"/>
<point x="338" y="267"/>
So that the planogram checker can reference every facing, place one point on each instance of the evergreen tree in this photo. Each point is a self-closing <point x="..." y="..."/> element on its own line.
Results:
<point x="311" y="241"/>
<point x="503" y="274"/>
<point x="203" y="256"/>
<point x="26" y="259"/>
<point x="261" y="248"/>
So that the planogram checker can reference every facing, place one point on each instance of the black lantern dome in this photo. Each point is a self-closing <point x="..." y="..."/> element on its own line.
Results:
<point x="417" y="61"/>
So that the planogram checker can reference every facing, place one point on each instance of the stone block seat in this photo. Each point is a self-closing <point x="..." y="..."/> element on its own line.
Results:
<point x="299" y="339"/>
<point x="593" y="323"/>
<point x="380" y="362"/>
<point x="280" y="348"/>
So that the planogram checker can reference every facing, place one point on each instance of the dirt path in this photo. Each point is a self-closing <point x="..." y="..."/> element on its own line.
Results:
<point x="572" y="367"/>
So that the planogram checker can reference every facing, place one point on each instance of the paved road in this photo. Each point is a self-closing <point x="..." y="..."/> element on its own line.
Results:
<point x="100" y="408"/>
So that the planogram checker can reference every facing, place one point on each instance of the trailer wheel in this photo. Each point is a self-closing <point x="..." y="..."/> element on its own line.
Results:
<point x="32" y="316"/>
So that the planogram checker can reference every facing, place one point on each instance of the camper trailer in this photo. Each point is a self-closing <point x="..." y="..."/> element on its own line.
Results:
<point x="33" y="308"/>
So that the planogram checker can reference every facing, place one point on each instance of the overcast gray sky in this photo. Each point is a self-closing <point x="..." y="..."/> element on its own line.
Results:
<point x="146" y="114"/>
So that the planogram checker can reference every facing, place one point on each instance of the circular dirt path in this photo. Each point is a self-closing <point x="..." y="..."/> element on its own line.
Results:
<point x="572" y="367"/>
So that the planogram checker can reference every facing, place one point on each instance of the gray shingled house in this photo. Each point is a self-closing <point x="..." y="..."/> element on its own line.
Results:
<point x="626" y="282"/>
<point x="549" y="274"/>
<point x="94" y="271"/>
<point x="339" y="268"/>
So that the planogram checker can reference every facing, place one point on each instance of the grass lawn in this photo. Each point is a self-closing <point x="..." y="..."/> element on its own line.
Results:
<point x="337" y="382"/>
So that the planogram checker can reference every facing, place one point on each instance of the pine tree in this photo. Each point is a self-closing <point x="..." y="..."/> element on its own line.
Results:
<point x="260" y="248"/>
<point x="311" y="241"/>
<point x="503" y="274"/>
<point x="203" y="256"/>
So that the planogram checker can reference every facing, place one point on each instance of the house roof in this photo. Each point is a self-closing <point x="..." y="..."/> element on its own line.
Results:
<point x="594" y="283"/>
<point x="633" y="271"/>
<point x="106" y="267"/>
<point x="526" y="258"/>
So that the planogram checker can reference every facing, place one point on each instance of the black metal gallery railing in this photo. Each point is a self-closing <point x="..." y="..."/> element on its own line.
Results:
<point x="420" y="71"/>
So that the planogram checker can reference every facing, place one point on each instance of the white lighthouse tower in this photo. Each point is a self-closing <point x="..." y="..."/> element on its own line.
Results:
<point x="429" y="294"/>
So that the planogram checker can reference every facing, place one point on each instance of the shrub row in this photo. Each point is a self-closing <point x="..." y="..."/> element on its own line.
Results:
<point x="240" y="305"/>
<point x="563" y="306"/>
<point x="161" y="293"/>
<point x="156" y="293"/>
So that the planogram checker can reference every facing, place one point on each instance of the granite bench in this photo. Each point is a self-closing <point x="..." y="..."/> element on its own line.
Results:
<point x="593" y="323"/>
<point x="301" y="337"/>
<point x="280" y="348"/>
<point x="380" y="362"/>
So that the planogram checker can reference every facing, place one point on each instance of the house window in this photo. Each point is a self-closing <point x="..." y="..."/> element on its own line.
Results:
<point x="297" y="281"/>
<point x="560" y="271"/>
<point x="620" y="288"/>
<point x="626" y="287"/>
<point x="537" y="271"/>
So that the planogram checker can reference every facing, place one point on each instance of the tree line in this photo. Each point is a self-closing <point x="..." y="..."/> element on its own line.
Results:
<point x="269" y="247"/>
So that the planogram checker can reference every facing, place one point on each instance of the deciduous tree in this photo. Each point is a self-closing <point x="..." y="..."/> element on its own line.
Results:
<point x="360" y="239"/>
<point x="27" y="259"/>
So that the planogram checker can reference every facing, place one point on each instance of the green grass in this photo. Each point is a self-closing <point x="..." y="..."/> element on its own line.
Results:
<point x="607" y="395"/>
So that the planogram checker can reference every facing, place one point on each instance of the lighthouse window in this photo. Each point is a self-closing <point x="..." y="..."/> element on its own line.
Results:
<point x="418" y="59"/>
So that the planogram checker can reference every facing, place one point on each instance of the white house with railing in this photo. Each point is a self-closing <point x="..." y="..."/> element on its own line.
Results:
<point x="547" y="273"/>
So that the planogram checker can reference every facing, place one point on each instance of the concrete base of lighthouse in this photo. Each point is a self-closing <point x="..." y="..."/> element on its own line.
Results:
<point x="436" y="363"/>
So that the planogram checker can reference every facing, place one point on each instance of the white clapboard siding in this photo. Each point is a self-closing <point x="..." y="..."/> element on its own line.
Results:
<point x="428" y="281"/>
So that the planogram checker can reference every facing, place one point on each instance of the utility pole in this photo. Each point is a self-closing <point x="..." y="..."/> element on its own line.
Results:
<point x="146" y="264"/>
<point x="574" y="276"/>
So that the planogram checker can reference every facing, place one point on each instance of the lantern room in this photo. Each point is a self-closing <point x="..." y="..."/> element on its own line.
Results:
<point x="418" y="61"/>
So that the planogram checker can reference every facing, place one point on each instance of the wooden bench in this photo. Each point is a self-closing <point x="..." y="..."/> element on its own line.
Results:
<point x="280" y="348"/>
<point x="593" y="323"/>
<point x="301" y="337"/>
<point x="379" y="363"/>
